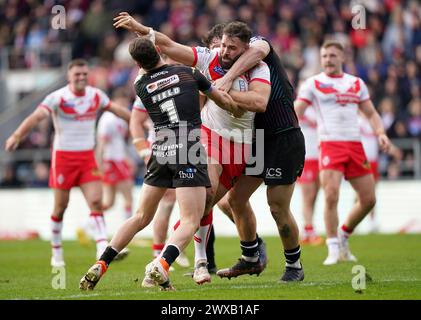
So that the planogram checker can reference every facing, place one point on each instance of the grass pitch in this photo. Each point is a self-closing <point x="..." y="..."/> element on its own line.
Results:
<point x="392" y="262"/>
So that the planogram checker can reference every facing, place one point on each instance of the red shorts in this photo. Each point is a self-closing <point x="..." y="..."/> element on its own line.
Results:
<point x="345" y="156"/>
<point x="311" y="171"/>
<point x="375" y="170"/>
<point x="72" y="168"/>
<point x="231" y="155"/>
<point x="116" y="171"/>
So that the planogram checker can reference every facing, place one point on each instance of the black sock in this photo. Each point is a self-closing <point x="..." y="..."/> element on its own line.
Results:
<point x="210" y="251"/>
<point x="170" y="254"/>
<point x="292" y="255"/>
<point x="108" y="255"/>
<point x="250" y="250"/>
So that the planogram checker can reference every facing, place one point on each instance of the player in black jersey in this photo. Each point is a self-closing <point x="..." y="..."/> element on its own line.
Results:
<point x="170" y="94"/>
<point x="284" y="153"/>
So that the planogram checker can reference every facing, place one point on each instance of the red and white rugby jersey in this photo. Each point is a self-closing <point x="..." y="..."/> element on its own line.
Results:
<point x="368" y="139"/>
<point x="114" y="130"/>
<point x="138" y="105"/>
<point x="308" y="124"/>
<point x="219" y="120"/>
<point x="74" y="117"/>
<point x="336" y="101"/>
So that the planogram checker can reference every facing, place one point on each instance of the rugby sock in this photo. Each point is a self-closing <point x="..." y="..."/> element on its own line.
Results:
<point x="345" y="231"/>
<point x="333" y="246"/>
<point x="157" y="248"/>
<point x="309" y="231"/>
<point x="171" y="252"/>
<point x="250" y="250"/>
<point x="108" y="255"/>
<point x="99" y="231"/>
<point x="127" y="212"/>
<point x="259" y="240"/>
<point x="56" y="227"/>
<point x="201" y="238"/>
<point x="292" y="257"/>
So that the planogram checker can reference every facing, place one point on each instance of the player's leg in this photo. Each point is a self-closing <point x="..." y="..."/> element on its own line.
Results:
<point x="279" y="201"/>
<point x="192" y="204"/>
<point x="364" y="186"/>
<point x="330" y="181"/>
<point x="309" y="192"/>
<point x="148" y="204"/>
<point x="61" y="200"/>
<point x="161" y="221"/>
<point x="125" y="187"/>
<point x="109" y="195"/>
<point x="201" y="273"/>
<point x="92" y="191"/>
<point x="245" y="221"/>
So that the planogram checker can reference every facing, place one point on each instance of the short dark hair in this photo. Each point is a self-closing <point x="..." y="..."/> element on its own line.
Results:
<point x="238" y="29"/>
<point x="216" y="32"/>
<point x="143" y="51"/>
<point x="333" y="43"/>
<point x="77" y="62"/>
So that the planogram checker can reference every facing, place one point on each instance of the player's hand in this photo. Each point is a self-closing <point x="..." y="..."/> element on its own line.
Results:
<point x="126" y="21"/>
<point x="223" y="84"/>
<point x="143" y="148"/>
<point x="238" y="112"/>
<point x="12" y="143"/>
<point x="384" y="142"/>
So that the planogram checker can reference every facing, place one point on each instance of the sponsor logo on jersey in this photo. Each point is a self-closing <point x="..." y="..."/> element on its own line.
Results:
<point x="159" y="74"/>
<point x="187" y="173"/>
<point x="273" y="173"/>
<point x="160" y="84"/>
<point x="218" y="69"/>
<point x="325" y="160"/>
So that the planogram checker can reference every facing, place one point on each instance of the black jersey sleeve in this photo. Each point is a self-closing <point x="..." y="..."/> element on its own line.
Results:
<point x="202" y="83"/>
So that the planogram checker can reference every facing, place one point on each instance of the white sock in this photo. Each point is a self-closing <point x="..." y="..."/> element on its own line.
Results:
<point x="296" y="264"/>
<point x="201" y="238"/>
<point x="332" y="246"/>
<point x="56" y="227"/>
<point x="99" y="232"/>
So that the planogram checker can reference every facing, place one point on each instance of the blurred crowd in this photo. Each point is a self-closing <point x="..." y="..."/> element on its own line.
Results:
<point x="385" y="52"/>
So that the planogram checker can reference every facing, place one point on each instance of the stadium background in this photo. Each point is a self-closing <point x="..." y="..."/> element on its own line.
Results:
<point x="33" y="57"/>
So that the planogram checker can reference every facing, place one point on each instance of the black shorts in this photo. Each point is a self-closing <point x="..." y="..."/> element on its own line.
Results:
<point x="171" y="165"/>
<point x="284" y="155"/>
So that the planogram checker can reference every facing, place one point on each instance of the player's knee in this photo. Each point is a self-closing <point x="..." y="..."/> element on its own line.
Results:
<point x="331" y="197"/>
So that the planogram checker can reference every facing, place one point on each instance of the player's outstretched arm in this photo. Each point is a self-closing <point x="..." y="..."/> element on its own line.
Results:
<point x="20" y="133"/>
<point x="119" y="111"/>
<point x="174" y="50"/>
<point x="367" y="108"/>
<point x="257" y="51"/>
<point x="255" y="99"/>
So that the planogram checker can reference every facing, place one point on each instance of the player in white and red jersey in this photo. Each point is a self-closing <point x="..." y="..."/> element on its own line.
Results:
<point x="74" y="109"/>
<point x="337" y="97"/>
<point x="113" y="157"/>
<point x="223" y="170"/>
<point x="309" y="180"/>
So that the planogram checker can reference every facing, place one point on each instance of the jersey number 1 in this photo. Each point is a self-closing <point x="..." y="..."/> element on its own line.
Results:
<point x="171" y="110"/>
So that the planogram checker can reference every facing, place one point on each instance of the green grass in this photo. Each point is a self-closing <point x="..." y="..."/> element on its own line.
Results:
<point x="392" y="261"/>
